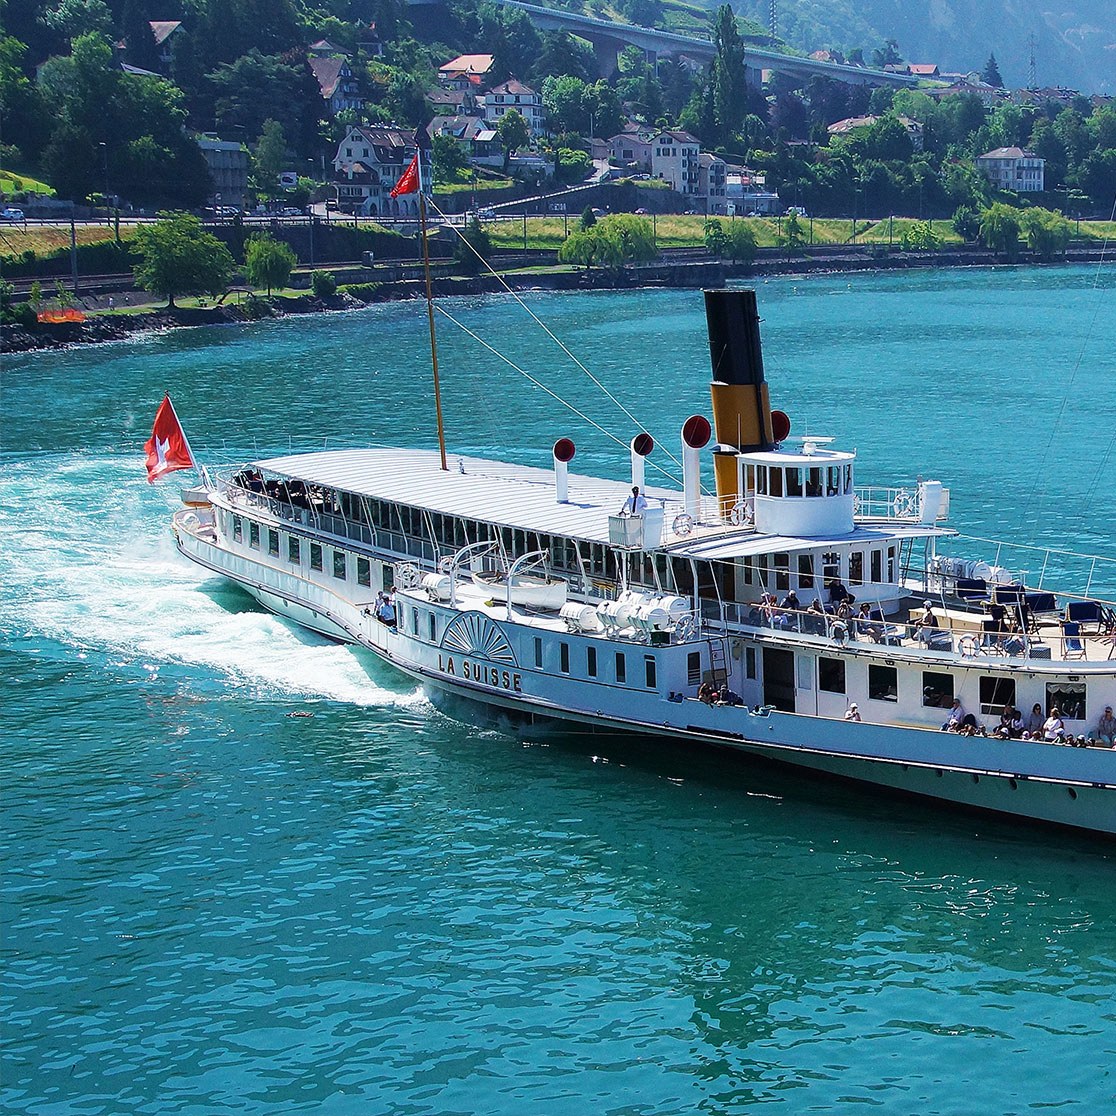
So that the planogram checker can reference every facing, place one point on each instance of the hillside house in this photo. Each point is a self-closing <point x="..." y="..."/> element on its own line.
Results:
<point x="1012" y="168"/>
<point x="368" y="164"/>
<point x="513" y="94"/>
<point x="337" y="82"/>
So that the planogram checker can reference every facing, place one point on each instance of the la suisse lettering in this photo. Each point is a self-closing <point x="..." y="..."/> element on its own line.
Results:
<point x="485" y="673"/>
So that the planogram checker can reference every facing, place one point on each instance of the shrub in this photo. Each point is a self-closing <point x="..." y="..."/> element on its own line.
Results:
<point x="365" y="292"/>
<point x="323" y="284"/>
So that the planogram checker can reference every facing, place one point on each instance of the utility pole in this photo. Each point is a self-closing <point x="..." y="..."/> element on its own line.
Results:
<point x="773" y="20"/>
<point x="1032" y="83"/>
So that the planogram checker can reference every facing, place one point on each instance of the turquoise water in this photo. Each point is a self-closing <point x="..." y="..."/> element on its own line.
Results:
<point x="209" y="905"/>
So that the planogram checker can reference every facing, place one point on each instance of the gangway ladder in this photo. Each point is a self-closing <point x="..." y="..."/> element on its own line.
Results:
<point x="718" y="667"/>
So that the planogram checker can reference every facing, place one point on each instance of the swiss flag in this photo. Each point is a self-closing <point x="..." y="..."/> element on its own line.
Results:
<point x="167" y="449"/>
<point x="409" y="181"/>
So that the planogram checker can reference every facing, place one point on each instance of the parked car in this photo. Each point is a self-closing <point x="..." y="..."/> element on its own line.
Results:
<point x="11" y="214"/>
<point x="641" y="212"/>
<point x="796" y="211"/>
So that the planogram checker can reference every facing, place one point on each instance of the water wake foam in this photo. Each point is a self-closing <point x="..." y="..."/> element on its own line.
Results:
<point x="90" y="567"/>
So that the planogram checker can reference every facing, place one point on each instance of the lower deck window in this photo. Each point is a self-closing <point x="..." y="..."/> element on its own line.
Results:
<point x="364" y="573"/>
<point x="538" y="653"/>
<point x="253" y="534"/>
<point x="995" y="693"/>
<point x="339" y="564"/>
<point x="273" y="542"/>
<point x="564" y="657"/>
<point x="883" y="683"/>
<point x="621" y="668"/>
<point x="650" y="675"/>
<point x="937" y="690"/>
<point x="591" y="661"/>
<point x="749" y="662"/>
<point x="1068" y="698"/>
<point x="238" y="529"/>
<point x="315" y="556"/>
<point x="294" y="549"/>
<point x="831" y="675"/>
<point x="693" y="668"/>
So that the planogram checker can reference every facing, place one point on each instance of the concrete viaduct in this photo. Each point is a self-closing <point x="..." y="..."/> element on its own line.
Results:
<point x="608" y="39"/>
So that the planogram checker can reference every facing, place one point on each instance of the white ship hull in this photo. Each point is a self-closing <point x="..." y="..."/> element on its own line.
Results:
<point x="1026" y="779"/>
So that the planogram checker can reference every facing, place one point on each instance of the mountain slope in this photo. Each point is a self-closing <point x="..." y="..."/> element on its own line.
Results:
<point x="1075" y="39"/>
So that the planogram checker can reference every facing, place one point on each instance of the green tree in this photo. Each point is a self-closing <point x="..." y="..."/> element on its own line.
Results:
<point x="713" y="234"/>
<point x="1097" y="174"/>
<point x="740" y="242"/>
<point x="270" y="155"/>
<point x="179" y="257"/>
<point x="588" y="218"/>
<point x="966" y="223"/>
<point x="990" y="75"/>
<point x="514" y="132"/>
<point x="268" y="262"/>
<point x="1047" y="232"/>
<point x="920" y="237"/>
<point x="323" y="284"/>
<point x="626" y="238"/>
<point x="448" y="158"/>
<point x="471" y="246"/>
<point x="730" y="93"/>
<point x="71" y="18"/>
<point x="580" y="247"/>
<point x="999" y="229"/>
<point x="793" y="235"/>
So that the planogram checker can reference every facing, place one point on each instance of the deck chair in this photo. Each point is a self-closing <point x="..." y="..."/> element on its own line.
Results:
<point x="1073" y="646"/>
<point x="1084" y="613"/>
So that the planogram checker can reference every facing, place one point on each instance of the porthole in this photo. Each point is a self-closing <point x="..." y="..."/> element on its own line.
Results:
<point x="938" y="773"/>
<point x="1072" y="792"/>
<point x="1013" y="784"/>
<point x="975" y="778"/>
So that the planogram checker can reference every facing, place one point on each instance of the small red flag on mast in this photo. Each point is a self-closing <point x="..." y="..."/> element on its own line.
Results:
<point x="409" y="181"/>
<point x="167" y="449"/>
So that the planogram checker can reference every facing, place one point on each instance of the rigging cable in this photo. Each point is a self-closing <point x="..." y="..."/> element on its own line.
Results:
<point x="542" y="325"/>
<point x="1041" y="472"/>
<point x="554" y="395"/>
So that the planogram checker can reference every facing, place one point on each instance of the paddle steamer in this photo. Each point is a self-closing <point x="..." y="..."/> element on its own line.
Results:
<point x="530" y="590"/>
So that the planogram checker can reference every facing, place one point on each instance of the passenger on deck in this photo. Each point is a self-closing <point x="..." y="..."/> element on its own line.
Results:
<point x="706" y="694"/>
<point x="385" y="610"/>
<point x="791" y="601"/>
<point x="1032" y="725"/>
<point x="635" y="504"/>
<point x="865" y="625"/>
<point x="1054" y="728"/>
<point x="927" y="626"/>
<point x="1011" y="724"/>
<point x="852" y="713"/>
<point x="1106" y="728"/>
<point x="955" y="717"/>
<point x="814" y="621"/>
<point x="837" y="591"/>
<point x="728" y="697"/>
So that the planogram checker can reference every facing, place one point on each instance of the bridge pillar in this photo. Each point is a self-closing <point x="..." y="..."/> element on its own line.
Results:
<point x="606" y="52"/>
<point x="753" y="78"/>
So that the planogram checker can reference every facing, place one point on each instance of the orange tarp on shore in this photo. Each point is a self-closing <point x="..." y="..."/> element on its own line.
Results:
<point x="70" y="315"/>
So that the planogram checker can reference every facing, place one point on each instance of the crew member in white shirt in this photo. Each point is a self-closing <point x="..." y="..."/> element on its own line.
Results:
<point x="635" y="504"/>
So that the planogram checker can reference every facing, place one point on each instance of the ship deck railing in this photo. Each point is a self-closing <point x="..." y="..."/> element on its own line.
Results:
<point x="957" y="636"/>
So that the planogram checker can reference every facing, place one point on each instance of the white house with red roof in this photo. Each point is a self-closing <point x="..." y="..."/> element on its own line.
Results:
<point x="370" y="160"/>
<point x="513" y="94"/>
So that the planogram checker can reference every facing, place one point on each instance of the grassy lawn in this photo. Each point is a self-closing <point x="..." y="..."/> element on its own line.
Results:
<point x="44" y="239"/>
<point x="11" y="181"/>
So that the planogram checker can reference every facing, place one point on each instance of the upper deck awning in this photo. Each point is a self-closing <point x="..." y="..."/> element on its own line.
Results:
<point x="523" y="497"/>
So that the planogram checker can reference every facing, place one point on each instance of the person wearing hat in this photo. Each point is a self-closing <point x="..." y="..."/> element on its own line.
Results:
<point x="1106" y="728"/>
<point x="955" y="718"/>
<point x="635" y="504"/>
<point x="927" y="624"/>
<point x="852" y="713"/>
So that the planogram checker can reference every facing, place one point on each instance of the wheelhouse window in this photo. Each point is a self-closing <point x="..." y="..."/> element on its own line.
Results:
<point x="856" y="567"/>
<point x="794" y="482"/>
<point x="805" y="571"/>
<point x="883" y="683"/>
<point x="339" y="565"/>
<point x="775" y="482"/>
<point x="831" y="675"/>
<point x="937" y="690"/>
<point x="1068" y="698"/>
<point x="294" y="550"/>
<point x="995" y="693"/>
<point x="315" y="556"/>
<point x="814" y="481"/>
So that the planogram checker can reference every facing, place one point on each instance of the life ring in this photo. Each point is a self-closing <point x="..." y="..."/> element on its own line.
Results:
<point x="741" y="514"/>
<point x="407" y="576"/>
<point x="445" y="563"/>
<point x="683" y="524"/>
<point x="856" y="504"/>
<point x="968" y="646"/>
<point x="840" y="631"/>
<point x="903" y="505"/>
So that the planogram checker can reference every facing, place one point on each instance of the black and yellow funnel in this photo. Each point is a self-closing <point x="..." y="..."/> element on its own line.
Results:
<point x="741" y="408"/>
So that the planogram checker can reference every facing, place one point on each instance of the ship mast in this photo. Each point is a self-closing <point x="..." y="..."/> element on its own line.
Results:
<point x="430" y="313"/>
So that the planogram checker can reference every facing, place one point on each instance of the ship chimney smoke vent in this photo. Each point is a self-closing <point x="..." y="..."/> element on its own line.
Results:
<point x="564" y="449"/>
<point x="741" y="407"/>
<point x="642" y="444"/>
<point x="696" y="433"/>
